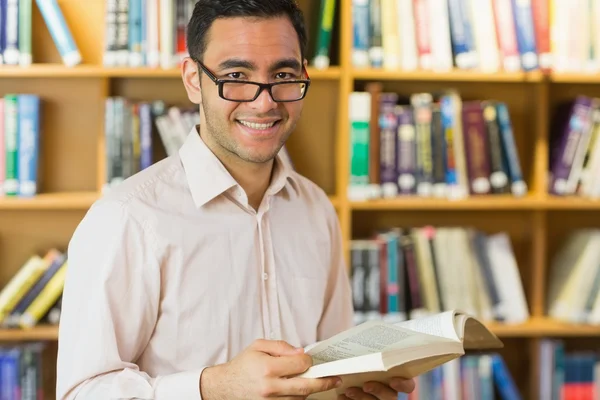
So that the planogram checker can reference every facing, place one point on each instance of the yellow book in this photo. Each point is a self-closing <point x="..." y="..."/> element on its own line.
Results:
<point x="20" y="284"/>
<point x="47" y="297"/>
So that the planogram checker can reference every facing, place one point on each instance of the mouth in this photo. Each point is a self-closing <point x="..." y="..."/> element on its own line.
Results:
<point x="259" y="128"/>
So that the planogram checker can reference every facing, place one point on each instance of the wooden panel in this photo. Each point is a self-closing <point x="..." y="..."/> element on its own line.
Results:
<point x="86" y="22"/>
<point x="313" y="144"/>
<point x="520" y="99"/>
<point x="72" y="115"/>
<point x="517" y="224"/>
<point x="24" y="233"/>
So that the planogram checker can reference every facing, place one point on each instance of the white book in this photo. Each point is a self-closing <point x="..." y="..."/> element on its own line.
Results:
<point x="439" y="26"/>
<point x="484" y="32"/>
<point x="376" y="350"/>
<point x="409" y="57"/>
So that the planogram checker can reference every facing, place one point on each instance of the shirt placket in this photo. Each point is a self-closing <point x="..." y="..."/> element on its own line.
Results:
<point x="269" y="277"/>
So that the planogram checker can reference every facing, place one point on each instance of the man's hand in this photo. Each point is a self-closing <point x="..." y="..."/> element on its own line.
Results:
<point x="379" y="391"/>
<point x="263" y="370"/>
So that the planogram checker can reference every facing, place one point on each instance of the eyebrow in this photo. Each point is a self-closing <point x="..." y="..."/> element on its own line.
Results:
<point x="237" y="63"/>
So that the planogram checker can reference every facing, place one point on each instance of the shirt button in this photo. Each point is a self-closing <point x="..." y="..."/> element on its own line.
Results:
<point x="265" y="276"/>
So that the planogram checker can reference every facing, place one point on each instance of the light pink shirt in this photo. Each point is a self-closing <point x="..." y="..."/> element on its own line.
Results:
<point x="174" y="271"/>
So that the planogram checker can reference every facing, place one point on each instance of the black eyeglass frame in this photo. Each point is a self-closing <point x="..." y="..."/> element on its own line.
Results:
<point x="261" y="86"/>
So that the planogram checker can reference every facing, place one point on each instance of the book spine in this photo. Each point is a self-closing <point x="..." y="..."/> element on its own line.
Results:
<point x="421" y="16"/>
<point x="580" y="152"/>
<point x="11" y="144"/>
<point x="502" y="378"/>
<point x="525" y="34"/>
<point x="421" y="104"/>
<point x="59" y="30"/>
<point x="25" y="15"/>
<point x="29" y="144"/>
<point x="11" y="49"/>
<point x="441" y="47"/>
<point x="541" y="22"/>
<point x="122" y="34"/>
<point x="438" y="145"/>
<point x="322" y="59"/>
<point x="361" y="33"/>
<point x="145" y="135"/>
<point x="390" y="34"/>
<point x="566" y="144"/>
<point x="498" y="176"/>
<point x="135" y="33"/>
<point x="20" y="283"/>
<point x="360" y="109"/>
<point x="388" y="145"/>
<point x="448" y="129"/>
<point x="2" y="148"/>
<point x="507" y="35"/>
<point x="460" y="32"/>
<point x="152" y="34"/>
<point x="357" y="277"/>
<point x="407" y="162"/>
<point x="476" y="148"/>
<point x="518" y="184"/>
<point x="376" y="52"/>
<point x="2" y="29"/>
<point x="181" y="26"/>
<point x="167" y="33"/>
<point x="409" y="60"/>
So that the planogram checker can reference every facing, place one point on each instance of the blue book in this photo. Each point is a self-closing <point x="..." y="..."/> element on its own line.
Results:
<point x="525" y="31"/>
<point x="505" y="384"/>
<point x="60" y="32"/>
<point x="29" y="143"/>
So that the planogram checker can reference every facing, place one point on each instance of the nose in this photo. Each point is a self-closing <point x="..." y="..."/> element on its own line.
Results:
<point x="264" y="102"/>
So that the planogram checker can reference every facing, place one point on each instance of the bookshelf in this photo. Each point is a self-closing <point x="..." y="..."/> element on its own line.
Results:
<point x="72" y="162"/>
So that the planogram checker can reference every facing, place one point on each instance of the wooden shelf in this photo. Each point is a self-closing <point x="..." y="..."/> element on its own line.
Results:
<point x="566" y="77"/>
<point x="499" y="202"/>
<point x="544" y="327"/>
<point x="41" y="332"/>
<point x="335" y="201"/>
<point x="571" y="203"/>
<point x="94" y="71"/>
<point x="50" y="201"/>
<point x="536" y="327"/>
<point x="455" y="75"/>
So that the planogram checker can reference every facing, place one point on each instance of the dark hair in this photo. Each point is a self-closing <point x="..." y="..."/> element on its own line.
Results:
<point x="207" y="11"/>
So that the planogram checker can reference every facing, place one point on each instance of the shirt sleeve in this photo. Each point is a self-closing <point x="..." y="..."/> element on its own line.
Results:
<point x="110" y="307"/>
<point x="339" y="311"/>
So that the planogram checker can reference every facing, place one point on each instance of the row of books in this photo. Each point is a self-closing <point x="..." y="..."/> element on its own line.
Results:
<point x="574" y="278"/>
<point x="22" y="371"/>
<point x="485" y="35"/>
<point x="430" y="145"/>
<point x="567" y="374"/>
<point x="132" y="129"/>
<point x="19" y="144"/>
<point x="575" y="149"/>
<point x="16" y="32"/>
<point x="405" y="273"/>
<point x="152" y="33"/>
<point x="473" y="376"/>
<point x="34" y="293"/>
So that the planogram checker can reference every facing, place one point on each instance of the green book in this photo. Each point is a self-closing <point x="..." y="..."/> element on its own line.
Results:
<point x="322" y="58"/>
<point x="25" y="32"/>
<point x="11" y="137"/>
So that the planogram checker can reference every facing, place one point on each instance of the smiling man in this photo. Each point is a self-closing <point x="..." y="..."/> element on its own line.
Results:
<point x="203" y="276"/>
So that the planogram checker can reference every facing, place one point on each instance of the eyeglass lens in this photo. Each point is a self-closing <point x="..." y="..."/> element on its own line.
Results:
<point x="247" y="91"/>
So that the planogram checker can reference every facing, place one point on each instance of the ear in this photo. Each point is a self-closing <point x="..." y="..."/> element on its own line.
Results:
<point x="191" y="80"/>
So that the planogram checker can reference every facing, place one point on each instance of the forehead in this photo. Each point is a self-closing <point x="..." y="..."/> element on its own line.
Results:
<point x="253" y="39"/>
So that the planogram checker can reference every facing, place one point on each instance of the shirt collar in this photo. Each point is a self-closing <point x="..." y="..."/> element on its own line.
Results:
<point x="208" y="178"/>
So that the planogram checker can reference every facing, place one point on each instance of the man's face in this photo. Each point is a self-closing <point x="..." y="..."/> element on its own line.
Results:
<point x="259" y="50"/>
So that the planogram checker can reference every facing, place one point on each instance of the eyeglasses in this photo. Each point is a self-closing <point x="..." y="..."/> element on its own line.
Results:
<point x="248" y="91"/>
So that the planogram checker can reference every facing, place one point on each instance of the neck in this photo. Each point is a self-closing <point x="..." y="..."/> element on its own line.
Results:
<point x="254" y="178"/>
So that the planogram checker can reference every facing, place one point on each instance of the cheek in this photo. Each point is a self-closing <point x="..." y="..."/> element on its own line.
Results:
<point x="293" y="110"/>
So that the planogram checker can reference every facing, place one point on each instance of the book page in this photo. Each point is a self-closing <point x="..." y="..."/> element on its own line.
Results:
<point x="370" y="337"/>
<point x="441" y="325"/>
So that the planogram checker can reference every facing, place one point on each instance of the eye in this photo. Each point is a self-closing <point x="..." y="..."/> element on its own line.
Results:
<point x="235" y="75"/>
<point x="285" y="75"/>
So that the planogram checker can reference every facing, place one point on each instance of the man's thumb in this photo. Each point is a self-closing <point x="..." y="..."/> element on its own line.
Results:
<point x="278" y="348"/>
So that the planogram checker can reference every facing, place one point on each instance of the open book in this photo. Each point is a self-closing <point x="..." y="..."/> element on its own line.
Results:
<point x="377" y="350"/>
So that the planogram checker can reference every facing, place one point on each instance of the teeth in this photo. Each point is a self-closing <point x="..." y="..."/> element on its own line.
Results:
<point x="259" y="127"/>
